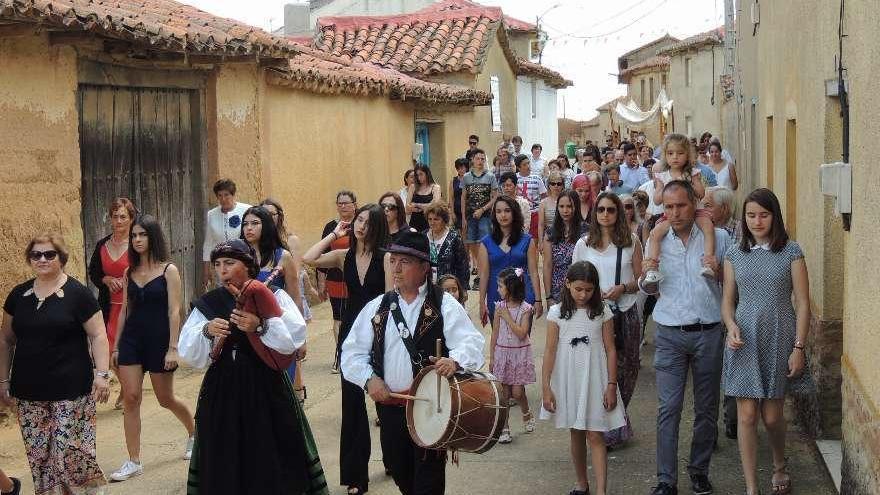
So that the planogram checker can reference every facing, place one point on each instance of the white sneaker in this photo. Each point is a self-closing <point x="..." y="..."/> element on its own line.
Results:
<point x="653" y="277"/>
<point x="129" y="469"/>
<point x="708" y="273"/>
<point x="505" y="436"/>
<point x="188" y="453"/>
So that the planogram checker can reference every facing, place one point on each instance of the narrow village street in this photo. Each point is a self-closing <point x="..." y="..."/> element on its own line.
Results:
<point x="537" y="463"/>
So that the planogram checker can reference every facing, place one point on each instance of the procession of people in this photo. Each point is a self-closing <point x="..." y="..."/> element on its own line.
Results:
<point x="597" y="248"/>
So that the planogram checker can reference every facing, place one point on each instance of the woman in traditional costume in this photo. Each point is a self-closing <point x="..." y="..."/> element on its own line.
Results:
<point x="251" y="434"/>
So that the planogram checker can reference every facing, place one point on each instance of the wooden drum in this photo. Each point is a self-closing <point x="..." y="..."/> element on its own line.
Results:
<point x="473" y="410"/>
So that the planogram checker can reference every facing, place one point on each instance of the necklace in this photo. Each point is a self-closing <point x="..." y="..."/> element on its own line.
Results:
<point x="57" y="290"/>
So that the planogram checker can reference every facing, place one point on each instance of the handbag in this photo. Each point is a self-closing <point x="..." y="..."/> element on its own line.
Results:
<point x="615" y="310"/>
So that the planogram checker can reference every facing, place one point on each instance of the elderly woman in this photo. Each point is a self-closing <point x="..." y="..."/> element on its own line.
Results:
<point x="719" y="201"/>
<point x="448" y="255"/>
<point x="53" y="327"/>
<point x="251" y="434"/>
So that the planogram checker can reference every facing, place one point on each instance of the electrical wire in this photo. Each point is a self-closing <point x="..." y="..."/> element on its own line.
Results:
<point x="609" y="33"/>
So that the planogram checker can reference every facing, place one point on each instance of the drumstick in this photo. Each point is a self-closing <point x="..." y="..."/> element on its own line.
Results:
<point x="408" y="397"/>
<point x="439" y="351"/>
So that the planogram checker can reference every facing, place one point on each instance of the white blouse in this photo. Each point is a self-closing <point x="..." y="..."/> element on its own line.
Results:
<point x="284" y="334"/>
<point x="464" y="341"/>
<point x="606" y="264"/>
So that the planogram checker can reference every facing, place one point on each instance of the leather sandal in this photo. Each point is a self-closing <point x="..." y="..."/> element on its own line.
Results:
<point x="301" y="394"/>
<point x="781" y="487"/>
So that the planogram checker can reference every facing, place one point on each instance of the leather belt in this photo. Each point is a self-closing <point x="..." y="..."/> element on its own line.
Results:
<point x="695" y="327"/>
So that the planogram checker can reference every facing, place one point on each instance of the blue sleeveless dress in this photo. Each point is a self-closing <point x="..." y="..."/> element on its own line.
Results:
<point x="279" y="283"/>
<point x="517" y="257"/>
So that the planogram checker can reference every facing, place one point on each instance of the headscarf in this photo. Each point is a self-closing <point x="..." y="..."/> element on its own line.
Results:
<point x="237" y="249"/>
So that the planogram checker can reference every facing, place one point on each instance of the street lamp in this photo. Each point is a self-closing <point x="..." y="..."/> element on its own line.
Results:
<point x="542" y="36"/>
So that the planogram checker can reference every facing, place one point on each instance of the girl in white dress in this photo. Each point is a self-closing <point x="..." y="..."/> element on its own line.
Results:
<point x="579" y="376"/>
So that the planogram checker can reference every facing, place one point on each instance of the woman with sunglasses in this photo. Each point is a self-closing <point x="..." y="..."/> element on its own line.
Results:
<point x="59" y="371"/>
<point x="331" y="284"/>
<point x="547" y="208"/>
<point x="608" y="238"/>
<point x="392" y="205"/>
<point x="149" y="327"/>
<point x="631" y="213"/>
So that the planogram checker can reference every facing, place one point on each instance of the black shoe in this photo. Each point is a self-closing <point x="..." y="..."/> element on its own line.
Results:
<point x="730" y="431"/>
<point x="16" y="487"/>
<point x="665" y="489"/>
<point x="700" y="484"/>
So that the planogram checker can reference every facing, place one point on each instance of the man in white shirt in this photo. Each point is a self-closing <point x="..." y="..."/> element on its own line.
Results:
<point x="689" y="337"/>
<point x="222" y="223"/>
<point x="393" y="338"/>
<point x="537" y="160"/>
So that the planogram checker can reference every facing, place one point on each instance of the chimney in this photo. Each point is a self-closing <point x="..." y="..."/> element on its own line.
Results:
<point x="296" y="19"/>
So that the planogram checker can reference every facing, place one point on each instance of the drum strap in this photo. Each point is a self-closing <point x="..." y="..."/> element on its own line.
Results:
<point x="406" y="334"/>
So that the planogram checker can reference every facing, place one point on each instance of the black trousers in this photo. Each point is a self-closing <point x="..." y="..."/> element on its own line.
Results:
<point x="415" y="470"/>
<point x="354" y="439"/>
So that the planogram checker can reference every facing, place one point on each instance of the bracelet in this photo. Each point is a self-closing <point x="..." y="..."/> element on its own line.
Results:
<point x="612" y="383"/>
<point x="5" y="381"/>
<point x="799" y="347"/>
<point x="205" y="331"/>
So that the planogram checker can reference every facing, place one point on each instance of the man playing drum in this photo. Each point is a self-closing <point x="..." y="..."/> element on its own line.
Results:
<point x="394" y="337"/>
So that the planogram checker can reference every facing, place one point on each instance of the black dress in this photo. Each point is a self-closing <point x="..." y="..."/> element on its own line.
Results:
<point x="418" y="220"/>
<point x="354" y="439"/>
<point x="145" y="338"/>
<point x="251" y="434"/>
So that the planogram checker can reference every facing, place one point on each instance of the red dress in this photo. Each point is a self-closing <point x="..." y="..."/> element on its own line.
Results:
<point x="113" y="269"/>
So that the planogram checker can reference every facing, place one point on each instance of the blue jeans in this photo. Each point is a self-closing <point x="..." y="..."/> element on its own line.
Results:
<point x="477" y="229"/>
<point x="676" y="353"/>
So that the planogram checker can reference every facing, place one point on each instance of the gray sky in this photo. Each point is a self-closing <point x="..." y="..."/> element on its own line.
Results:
<point x="586" y="36"/>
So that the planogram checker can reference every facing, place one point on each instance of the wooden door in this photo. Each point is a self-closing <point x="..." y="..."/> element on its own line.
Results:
<point x="144" y="144"/>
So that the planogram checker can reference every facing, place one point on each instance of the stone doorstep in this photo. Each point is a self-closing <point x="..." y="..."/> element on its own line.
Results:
<point x="832" y="455"/>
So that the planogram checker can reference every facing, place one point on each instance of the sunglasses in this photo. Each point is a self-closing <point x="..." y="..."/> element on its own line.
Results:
<point x="344" y="203"/>
<point x="627" y="206"/>
<point x="389" y="207"/>
<point x="47" y="255"/>
<point x="555" y="183"/>
<point x="611" y="210"/>
<point x="472" y="143"/>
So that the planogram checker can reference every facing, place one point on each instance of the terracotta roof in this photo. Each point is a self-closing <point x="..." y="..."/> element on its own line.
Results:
<point x="666" y="37"/>
<point x="164" y="24"/>
<point x="550" y="76"/>
<point x="422" y="43"/>
<point x="445" y="37"/>
<point x="451" y="5"/>
<point x="657" y="62"/>
<point x="320" y="73"/>
<point x="711" y="37"/>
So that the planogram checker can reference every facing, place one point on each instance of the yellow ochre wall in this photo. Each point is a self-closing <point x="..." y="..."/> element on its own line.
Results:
<point x="237" y="134"/>
<point x="496" y="65"/>
<point x="804" y="35"/>
<point x="39" y="152"/>
<point x="320" y="144"/>
<point x="861" y="347"/>
<point x="695" y="101"/>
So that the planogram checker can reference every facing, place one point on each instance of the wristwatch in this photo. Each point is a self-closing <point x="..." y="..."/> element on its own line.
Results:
<point x="103" y="374"/>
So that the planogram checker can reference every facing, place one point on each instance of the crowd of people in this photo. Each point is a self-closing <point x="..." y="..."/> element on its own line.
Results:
<point x="590" y="243"/>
